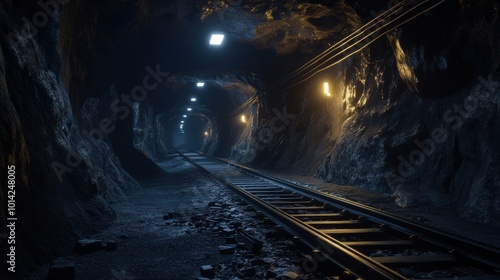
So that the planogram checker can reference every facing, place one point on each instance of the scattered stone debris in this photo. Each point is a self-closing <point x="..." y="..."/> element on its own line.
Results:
<point x="270" y="274"/>
<point x="207" y="271"/>
<point x="231" y="239"/>
<point x="109" y="245"/>
<point x="241" y="245"/>
<point x="251" y="243"/>
<point x="251" y="247"/>
<point x="227" y="250"/>
<point x="87" y="246"/>
<point x="423" y="220"/>
<point x="289" y="275"/>
<point x="249" y="272"/>
<point x="171" y="215"/>
<point x="61" y="269"/>
<point x="259" y="248"/>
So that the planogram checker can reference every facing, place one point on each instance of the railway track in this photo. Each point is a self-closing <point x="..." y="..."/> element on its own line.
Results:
<point x="365" y="242"/>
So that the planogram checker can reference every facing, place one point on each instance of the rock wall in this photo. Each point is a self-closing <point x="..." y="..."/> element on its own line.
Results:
<point x="434" y="144"/>
<point x="90" y="58"/>
<point x="145" y="130"/>
<point x="65" y="176"/>
<point x="415" y="115"/>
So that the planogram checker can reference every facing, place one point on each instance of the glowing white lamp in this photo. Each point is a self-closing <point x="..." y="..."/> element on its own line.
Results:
<point x="216" y="39"/>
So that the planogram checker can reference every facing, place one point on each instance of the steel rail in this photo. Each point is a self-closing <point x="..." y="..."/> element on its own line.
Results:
<point x="341" y="252"/>
<point x="461" y="245"/>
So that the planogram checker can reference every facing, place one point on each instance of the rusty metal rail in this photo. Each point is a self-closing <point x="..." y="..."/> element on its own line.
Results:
<point x="366" y="242"/>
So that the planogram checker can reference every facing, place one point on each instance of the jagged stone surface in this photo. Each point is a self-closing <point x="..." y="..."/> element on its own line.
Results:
<point x="65" y="179"/>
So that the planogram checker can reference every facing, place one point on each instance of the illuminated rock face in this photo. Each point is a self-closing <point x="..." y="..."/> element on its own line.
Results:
<point x="433" y="145"/>
<point x="415" y="114"/>
<point x="412" y="116"/>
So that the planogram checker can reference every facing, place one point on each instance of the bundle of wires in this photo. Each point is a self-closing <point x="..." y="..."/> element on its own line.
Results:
<point x="379" y="26"/>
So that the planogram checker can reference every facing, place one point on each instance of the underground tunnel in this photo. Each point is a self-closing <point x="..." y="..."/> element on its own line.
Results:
<point x="242" y="139"/>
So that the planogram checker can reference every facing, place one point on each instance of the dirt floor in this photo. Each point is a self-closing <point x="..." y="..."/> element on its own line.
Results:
<point x="177" y="221"/>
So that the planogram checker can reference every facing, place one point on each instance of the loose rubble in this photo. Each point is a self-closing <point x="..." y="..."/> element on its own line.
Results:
<point x="189" y="229"/>
<point x="259" y="248"/>
<point x="61" y="269"/>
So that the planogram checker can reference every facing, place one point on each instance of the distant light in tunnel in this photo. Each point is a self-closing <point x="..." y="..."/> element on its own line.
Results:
<point x="216" y="39"/>
<point x="326" y="89"/>
<point x="200" y="84"/>
<point x="189" y="109"/>
<point x="193" y="99"/>
<point x="243" y="119"/>
<point x="184" y="116"/>
<point x="206" y="133"/>
<point x="182" y="121"/>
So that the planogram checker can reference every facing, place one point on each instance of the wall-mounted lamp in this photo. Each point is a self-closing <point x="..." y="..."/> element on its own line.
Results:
<point x="326" y="89"/>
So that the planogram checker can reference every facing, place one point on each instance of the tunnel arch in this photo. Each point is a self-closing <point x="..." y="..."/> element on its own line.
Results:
<point x="214" y="102"/>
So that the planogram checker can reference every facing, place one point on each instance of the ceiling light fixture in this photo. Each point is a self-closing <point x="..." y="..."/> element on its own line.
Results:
<point x="216" y="39"/>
